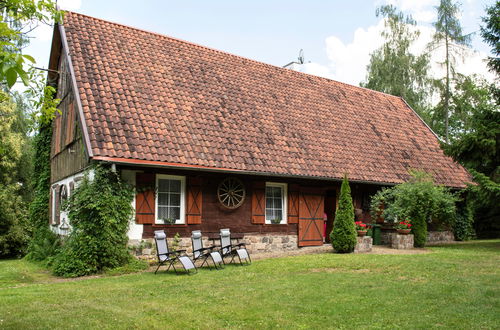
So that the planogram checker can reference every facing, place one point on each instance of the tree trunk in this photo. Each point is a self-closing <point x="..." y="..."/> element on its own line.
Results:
<point x="447" y="92"/>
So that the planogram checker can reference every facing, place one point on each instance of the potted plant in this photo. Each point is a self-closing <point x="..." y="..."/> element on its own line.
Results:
<point x="403" y="227"/>
<point x="276" y="221"/>
<point x="169" y="221"/>
<point x="361" y="228"/>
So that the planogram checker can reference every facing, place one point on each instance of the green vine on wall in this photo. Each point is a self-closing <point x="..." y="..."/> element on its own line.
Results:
<point x="44" y="243"/>
<point x="99" y="211"/>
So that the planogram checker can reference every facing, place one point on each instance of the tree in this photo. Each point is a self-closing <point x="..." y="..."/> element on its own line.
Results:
<point x="393" y="69"/>
<point x="476" y="126"/>
<point x="343" y="235"/>
<point x="476" y="146"/>
<point x="18" y="17"/>
<point x="13" y="233"/>
<point x="450" y="36"/>
<point x="491" y="35"/>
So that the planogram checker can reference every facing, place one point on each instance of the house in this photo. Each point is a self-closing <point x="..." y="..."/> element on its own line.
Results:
<point x="212" y="140"/>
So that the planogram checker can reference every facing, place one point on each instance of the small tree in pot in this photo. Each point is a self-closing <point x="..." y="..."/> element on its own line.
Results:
<point x="344" y="234"/>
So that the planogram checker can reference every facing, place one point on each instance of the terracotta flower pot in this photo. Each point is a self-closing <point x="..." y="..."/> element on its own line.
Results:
<point x="404" y="231"/>
<point x="362" y="233"/>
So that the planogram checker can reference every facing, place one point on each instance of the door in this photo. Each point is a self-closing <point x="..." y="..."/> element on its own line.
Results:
<point x="311" y="223"/>
<point x="330" y="206"/>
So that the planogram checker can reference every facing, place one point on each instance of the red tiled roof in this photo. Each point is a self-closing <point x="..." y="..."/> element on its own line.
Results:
<point x="150" y="97"/>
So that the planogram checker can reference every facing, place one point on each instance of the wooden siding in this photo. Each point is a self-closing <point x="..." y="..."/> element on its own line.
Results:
<point x="69" y="161"/>
<point x="214" y="216"/>
<point x="68" y="155"/>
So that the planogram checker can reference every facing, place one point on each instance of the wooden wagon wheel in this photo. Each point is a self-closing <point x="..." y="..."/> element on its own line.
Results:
<point x="231" y="193"/>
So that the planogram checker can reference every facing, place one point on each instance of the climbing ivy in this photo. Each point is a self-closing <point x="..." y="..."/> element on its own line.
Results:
<point x="99" y="211"/>
<point x="44" y="243"/>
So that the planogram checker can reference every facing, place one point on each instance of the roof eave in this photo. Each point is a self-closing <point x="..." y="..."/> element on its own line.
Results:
<point x="178" y="166"/>
<point x="76" y="91"/>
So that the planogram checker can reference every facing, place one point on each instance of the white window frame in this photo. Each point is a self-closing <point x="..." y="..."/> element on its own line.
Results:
<point x="182" y="179"/>
<point x="284" y="201"/>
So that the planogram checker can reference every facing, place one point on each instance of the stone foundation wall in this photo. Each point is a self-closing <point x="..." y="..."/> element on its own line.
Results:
<point x="364" y="244"/>
<point x="432" y="237"/>
<point x="386" y="237"/>
<point x="440" y="236"/>
<point x="402" y="241"/>
<point x="255" y="243"/>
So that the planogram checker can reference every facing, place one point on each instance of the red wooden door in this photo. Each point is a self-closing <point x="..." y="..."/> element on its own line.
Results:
<point x="311" y="210"/>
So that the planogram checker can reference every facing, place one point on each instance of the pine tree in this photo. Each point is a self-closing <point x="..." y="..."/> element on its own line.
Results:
<point x="491" y="35"/>
<point x="343" y="235"/>
<point x="450" y="36"/>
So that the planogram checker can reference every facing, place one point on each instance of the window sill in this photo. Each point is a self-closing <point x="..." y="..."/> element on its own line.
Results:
<point x="174" y="225"/>
<point x="276" y="224"/>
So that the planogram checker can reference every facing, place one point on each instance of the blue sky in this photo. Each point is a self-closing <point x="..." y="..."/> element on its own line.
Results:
<point x="337" y="36"/>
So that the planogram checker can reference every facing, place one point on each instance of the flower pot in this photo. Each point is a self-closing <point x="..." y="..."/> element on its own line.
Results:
<point x="404" y="231"/>
<point x="362" y="233"/>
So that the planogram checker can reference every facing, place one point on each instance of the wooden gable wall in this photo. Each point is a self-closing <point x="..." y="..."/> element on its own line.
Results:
<point x="68" y="154"/>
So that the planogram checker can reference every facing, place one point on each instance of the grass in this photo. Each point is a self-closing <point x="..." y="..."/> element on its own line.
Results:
<point x="455" y="286"/>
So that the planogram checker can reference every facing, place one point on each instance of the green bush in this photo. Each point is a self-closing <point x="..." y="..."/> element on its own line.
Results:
<point x="419" y="200"/>
<point x="99" y="211"/>
<point x="45" y="247"/>
<point x="343" y="235"/>
<point x="419" y="230"/>
<point x="13" y="233"/>
<point x="463" y="227"/>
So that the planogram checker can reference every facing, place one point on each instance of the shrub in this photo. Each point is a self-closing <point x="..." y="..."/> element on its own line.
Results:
<point x="344" y="234"/>
<point x="463" y="226"/>
<point x="99" y="211"/>
<point x="45" y="247"/>
<point x="13" y="233"/>
<point x="420" y="200"/>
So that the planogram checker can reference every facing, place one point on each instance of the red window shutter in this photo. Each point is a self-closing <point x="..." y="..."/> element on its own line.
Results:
<point x="145" y="198"/>
<point x="57" y="133"/>
<point x="194" y="201"/>
<point x="293" y="204"/>
<point x="70" y="123"/>
<point x="259" y="203"/>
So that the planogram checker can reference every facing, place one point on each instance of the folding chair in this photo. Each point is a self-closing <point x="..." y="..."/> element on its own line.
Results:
<point x="204" y="253"/>
<point x="171" y="257"/>
<point x="232" y="250"/>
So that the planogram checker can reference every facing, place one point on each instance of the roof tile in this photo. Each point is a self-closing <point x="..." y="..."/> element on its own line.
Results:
<point x="151" y="97"/>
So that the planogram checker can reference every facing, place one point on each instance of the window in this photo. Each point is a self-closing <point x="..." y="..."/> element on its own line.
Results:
<point x="276" y="195"/>
<point x="170" y="199"/>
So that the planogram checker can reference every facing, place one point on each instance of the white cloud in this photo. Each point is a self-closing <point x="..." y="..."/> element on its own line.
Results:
<point x="421" y="10"/>
<point x="318" y="70"/>
<point x="347" y="62"/>
<point x="425" y="16"/>
<point x="69" y="4"/>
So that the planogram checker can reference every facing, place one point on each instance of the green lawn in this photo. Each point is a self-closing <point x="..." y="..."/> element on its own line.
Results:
<point x="455" y="286"/>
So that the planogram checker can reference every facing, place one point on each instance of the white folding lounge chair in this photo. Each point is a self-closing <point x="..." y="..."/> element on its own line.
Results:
<point x="204" y="253"/>
<point x="171" y="257"/>
<point x="232" y="250"/>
